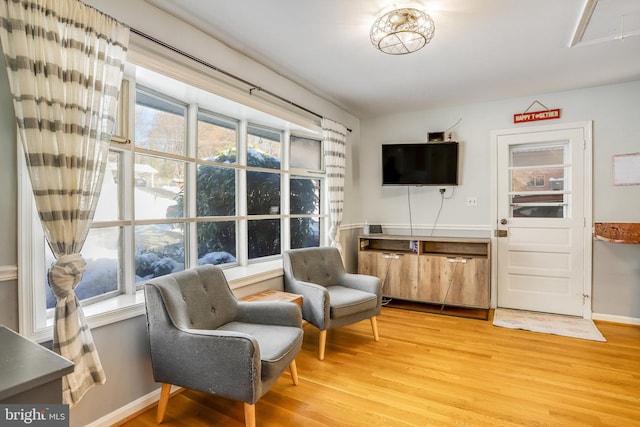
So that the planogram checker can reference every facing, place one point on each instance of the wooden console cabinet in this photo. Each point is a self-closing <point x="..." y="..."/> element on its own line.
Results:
<point x="452" y="271"/>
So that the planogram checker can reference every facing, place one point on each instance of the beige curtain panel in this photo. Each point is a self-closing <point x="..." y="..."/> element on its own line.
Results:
<point x="334" y="136"/>
<point x="65" y="62"/>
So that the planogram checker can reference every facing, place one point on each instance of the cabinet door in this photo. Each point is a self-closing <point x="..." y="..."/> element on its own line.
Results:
<point x="369" y="262"/>
<point x="402" y="277"/>
<point x="454" y="280"/>
<point x="398" y="272"/>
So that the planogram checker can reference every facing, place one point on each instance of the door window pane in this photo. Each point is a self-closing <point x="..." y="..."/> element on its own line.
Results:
<point x="160" y="124"/>
<point x="264" y="238"/>
<point x="537" y="186"/>
<point x="159" y="250"/>
<point x="537" y="179"/>
<point x="306" y="153"/>
<point x="217" y="138"/>
<point x="216" y="242"/>
<point x="158" y="187"/>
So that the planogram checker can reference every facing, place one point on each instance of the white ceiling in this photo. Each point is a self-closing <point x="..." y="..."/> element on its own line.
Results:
<point x="482" y="50"/>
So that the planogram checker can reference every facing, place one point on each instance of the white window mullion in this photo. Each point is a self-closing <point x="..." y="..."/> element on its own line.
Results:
<point x="128" y="101"/>
<point x="242" y="231"/>
<point x="324" y="212"/>
<point x="191" y="187"/>
<point x="125" y="178"/>
<point x="285" y="187"/>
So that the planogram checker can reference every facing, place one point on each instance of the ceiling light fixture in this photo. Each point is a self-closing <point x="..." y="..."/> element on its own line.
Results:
<point x="402" y="31"/>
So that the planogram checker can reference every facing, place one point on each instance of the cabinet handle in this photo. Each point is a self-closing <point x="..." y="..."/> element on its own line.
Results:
<point x="391" y="256"/>
<point x="460" y="260"/>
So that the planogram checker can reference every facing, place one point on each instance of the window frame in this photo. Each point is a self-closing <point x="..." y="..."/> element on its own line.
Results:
<point x="34" y="321"/>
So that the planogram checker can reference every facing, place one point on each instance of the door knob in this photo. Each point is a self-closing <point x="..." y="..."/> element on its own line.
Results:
<point x="503" y="221"/>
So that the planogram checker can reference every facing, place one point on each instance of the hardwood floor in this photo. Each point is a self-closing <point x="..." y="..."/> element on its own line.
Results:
<point x="434" y="370"/>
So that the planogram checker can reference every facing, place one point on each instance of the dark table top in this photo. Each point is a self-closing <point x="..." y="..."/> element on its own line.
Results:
<point x="25" y="365"/>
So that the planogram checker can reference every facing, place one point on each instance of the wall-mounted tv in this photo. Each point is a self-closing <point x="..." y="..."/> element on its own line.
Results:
<point x="420" y="164"/>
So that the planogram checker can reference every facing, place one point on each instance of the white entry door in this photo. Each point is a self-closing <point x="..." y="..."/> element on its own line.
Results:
<point x="543" y="231"/>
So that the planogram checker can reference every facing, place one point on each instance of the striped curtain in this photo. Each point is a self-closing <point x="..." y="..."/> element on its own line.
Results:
<point x="334" y="136"/>
<point x="65" y="62"/>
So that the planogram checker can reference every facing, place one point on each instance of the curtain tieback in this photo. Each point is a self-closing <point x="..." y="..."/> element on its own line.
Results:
<point x="65" y="274"/>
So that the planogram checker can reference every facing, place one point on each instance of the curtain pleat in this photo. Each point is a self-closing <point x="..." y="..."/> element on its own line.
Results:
<point x="65" y="62"/>
<point x="334" y="136"/>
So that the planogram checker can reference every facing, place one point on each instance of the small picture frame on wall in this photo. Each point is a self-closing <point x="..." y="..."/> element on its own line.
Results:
<point x="626" y="169"/>
<point x="375" y="229"/>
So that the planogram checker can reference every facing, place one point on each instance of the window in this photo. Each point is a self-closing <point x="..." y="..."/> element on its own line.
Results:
<point x="196" y="185"/>
<point x="537" y="181"/>
<point x="216" y="189"/>
<point x="306" y="153"/>
<point x="305" y="212"/>
<point x="264" y="192"/>
<point x="159" y="172"/>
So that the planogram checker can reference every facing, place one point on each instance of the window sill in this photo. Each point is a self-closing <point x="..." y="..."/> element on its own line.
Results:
<point x="124" y="307"/>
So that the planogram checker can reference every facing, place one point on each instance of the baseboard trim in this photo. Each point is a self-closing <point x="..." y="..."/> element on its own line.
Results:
<point x="121" y="414"/>
<point x="616" y="319"/>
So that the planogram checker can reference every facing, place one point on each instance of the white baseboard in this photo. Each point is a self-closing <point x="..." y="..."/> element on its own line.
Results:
<point x="616" y="319"/>
<point x="129" y="409"/>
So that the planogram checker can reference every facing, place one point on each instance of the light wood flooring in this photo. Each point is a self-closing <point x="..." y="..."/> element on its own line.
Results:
<point x="435" y="370"/>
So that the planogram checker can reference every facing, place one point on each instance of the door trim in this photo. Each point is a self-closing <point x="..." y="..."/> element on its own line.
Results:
<point x="587" y="235"/>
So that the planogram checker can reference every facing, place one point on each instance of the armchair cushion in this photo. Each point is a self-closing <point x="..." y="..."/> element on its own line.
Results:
<point x="276" y="343"/>
<point x="348" y="301"/>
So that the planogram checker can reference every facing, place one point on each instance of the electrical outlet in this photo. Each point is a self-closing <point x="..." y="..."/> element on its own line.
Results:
<point x="472" y="201"/>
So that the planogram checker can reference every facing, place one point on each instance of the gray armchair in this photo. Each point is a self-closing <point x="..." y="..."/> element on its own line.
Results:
<point x="203" y="338"/>
<point x="331" y="297"/>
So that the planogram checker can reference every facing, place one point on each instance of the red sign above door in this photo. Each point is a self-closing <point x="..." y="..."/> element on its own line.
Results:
<point x="535" y="116"/>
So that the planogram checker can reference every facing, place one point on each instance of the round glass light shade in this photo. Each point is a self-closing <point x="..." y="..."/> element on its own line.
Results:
<point x="402" y="31"/>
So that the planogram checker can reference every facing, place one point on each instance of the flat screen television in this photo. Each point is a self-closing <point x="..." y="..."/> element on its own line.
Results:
<point x="420" y="164"/>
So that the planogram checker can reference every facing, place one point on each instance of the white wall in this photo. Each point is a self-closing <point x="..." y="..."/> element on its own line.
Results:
<point x="8" y="213"/>
<point x="614" y="111"/>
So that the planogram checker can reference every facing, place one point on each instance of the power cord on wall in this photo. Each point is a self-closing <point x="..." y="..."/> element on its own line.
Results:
<point x="435" y="222"/>
<point x="409" y="203"/>
<point x="442" y="199"/>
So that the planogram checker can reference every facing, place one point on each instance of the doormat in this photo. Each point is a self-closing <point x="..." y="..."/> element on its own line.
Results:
<point x="568" y="326"/>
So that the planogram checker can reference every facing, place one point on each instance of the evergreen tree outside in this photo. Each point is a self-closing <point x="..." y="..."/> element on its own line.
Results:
<point x="216" y="196"/>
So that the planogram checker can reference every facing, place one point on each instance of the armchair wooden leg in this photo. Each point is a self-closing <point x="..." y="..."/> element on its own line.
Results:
<point x="249" y="414"/>
<point x="294" y="372"/>
<point x="322" y="344"/>
<point x="374" y="326"/>
<point x="162" y="403"/>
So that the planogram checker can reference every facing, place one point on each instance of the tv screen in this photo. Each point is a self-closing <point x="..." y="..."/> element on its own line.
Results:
<point x="420" y="164"/>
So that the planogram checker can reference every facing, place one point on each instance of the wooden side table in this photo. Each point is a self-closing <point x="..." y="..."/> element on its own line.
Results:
<point x="273" y="295"/>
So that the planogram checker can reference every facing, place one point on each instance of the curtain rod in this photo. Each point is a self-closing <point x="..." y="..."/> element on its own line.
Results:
<point x="252" y="87"/>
